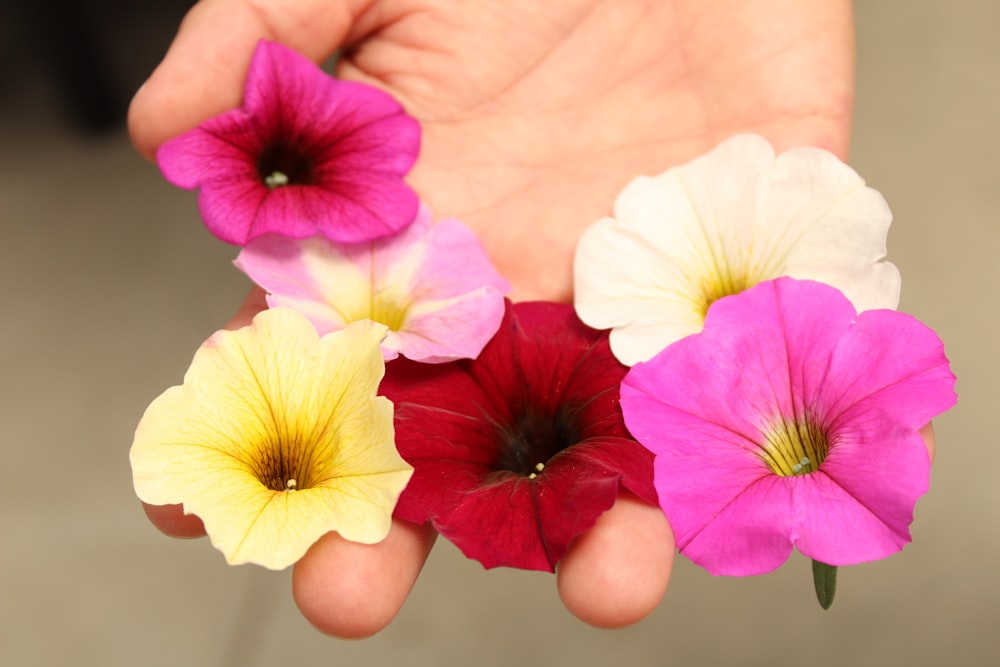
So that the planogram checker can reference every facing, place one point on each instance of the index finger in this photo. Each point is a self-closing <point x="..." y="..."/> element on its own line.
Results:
<point x="203" y="72"/>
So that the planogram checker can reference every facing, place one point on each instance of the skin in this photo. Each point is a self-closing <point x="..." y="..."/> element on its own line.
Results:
<point x="534" y="116"/>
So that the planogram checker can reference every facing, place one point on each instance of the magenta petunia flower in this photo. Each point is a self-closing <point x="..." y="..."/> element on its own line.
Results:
<point x="306" y="154"/>
<point x="790" y="420"/>
<point x="519" y="451"/>
<point x="432" y="285"/>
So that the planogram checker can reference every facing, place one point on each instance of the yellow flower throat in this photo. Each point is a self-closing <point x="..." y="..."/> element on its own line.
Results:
<point x="794" y="447"/>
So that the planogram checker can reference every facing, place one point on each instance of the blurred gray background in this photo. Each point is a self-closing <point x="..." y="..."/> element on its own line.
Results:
<point x="108" y="283"/>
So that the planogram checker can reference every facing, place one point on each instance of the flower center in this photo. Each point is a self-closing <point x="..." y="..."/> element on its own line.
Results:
<point x="282" y="466"/>
<point x="724" y="282"/>
<point x="532" y="438"/>
<point x="282" y="164"/>
<point x="380" y="306"/>
<point x="794" y="447"/>
<point x="388" y="311"/>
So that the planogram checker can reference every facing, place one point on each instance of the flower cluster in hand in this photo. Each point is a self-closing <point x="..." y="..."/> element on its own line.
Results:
<point x="778" y="414"/>
<point x="507" y="416"/>
<point x="277" y="436"/>
<point x="755" y="381"/>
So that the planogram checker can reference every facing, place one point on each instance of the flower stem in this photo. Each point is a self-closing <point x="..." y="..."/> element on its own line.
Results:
<point x="825" y="582"/>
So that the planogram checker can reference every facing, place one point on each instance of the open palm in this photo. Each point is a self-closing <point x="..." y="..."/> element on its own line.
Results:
<point x="534" y="114"/>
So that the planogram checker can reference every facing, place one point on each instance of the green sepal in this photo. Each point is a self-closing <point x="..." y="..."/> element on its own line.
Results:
<point x="825" y="582"/>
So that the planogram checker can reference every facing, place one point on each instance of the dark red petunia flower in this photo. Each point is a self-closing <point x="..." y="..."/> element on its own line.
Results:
<point x="306" y="154"/>
<point x="520" y="450"/>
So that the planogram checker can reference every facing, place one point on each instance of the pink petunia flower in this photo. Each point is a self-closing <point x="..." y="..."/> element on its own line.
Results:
<point x="306" y="154"/>
<point x="517" y="452"/>
<point x="432" y="285"/>
<point x="790" y="420"/>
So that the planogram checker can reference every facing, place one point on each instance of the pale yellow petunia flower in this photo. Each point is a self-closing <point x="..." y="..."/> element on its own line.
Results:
<point x="275" y="438"/>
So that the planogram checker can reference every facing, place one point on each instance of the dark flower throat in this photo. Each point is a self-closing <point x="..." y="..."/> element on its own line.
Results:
<point x="283" y="164"/>
<point x="532" y="438"/>
<point x="283" y="465"/>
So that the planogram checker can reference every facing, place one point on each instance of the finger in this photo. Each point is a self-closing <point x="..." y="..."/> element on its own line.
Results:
<point x="255" y="301"/>
<point x="616" y="573"/>
<point x="170" y="519"/>
<point x="354" y="590"/>
<point x="928" y="433"/>
<point x="203" y="72"/>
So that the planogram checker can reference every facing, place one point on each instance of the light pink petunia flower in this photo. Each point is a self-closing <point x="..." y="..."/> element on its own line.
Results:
<point x="790" y="420"/>
<point x="306" y="154"/>
<point x="432" y="285"/>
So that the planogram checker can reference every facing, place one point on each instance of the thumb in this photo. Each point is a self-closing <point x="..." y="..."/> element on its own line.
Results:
<point x="204" y="69"/>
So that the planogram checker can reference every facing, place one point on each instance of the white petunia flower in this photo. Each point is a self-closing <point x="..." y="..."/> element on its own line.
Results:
<point x="732" y="218"/>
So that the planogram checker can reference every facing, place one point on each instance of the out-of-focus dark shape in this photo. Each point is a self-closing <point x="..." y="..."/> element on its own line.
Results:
<point x="77" y="45"/>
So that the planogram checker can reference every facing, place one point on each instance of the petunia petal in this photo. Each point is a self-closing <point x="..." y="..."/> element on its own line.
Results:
<point x="863" y="498"/>
<point x="892" y="361"/>
<point x="311" y="276"/>
<point x="217" y="152"/>
<point x="702" y="462"/>
<point x="449" y="329"/>
<point x="611" y="256"/>
<point x="530" y="521"/>
<point x="756" y="357"/>
<point x="823" y="223"/>
<point x="750" y="534"/>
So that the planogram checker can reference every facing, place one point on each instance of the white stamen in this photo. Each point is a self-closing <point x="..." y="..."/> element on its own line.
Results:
<point x="539" y="467"/>
<point x="274" y="179"/>
<point x="290" y="486"/>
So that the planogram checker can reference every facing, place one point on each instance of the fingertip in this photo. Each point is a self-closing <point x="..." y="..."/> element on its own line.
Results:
<point x="203" y="71"/>
<point x="352" y="590"/>
<point x="615" y="574"/>
<point x="201" y="75"/>
<point x="255" y="302"/>
<point x="928" y="434"/>
<point x="137" y="126"/>
<point x="171" y="520"/>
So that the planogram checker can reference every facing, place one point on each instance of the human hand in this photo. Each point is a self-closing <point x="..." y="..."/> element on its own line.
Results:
<point x="534" y="116"/>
